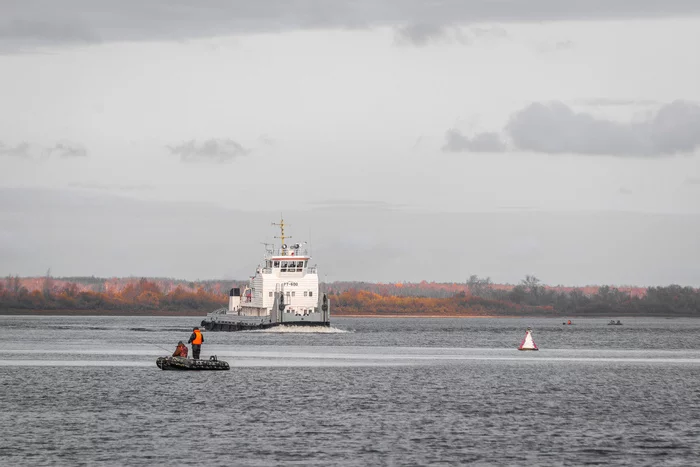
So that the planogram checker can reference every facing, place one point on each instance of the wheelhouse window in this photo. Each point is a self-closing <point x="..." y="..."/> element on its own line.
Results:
<point x="292" y="266"/>
<point x="306" y="293"/>
<point x="292" y="293"/>
<point x="276" y="264"/>
<point x="270" y="294"/>
<point x="311" y="294"/>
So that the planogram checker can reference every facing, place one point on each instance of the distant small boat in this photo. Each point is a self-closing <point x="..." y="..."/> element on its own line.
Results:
<point x="528" y="343"/>
<point x="568" y="322"/>
<point x="613" y="323"/>
<point x="190" y="364"/>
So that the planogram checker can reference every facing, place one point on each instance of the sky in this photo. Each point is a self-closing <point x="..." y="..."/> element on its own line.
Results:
<point x="405" y="140"/>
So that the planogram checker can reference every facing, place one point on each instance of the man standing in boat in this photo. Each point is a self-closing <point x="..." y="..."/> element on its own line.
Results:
<point x="196" y="339"/>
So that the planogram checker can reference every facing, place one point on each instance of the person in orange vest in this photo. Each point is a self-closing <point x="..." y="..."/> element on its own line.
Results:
<point x="196" y="339"/>
<point x="181" y="350"/>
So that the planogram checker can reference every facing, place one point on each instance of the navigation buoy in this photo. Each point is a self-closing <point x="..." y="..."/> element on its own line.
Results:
<point x="528" y="343"/>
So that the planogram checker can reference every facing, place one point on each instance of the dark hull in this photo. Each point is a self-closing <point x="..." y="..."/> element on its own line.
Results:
<point x="189" y="364"/>
<point x="209" y="326"/>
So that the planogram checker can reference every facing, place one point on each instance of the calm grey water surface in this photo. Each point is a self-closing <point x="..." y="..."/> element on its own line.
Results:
<point x="86" y="391"/>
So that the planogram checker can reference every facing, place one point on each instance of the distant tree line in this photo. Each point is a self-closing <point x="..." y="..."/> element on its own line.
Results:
<point x="481" y="296"/>
<point x="140" y="295"/>
<point x="475" y="296"/>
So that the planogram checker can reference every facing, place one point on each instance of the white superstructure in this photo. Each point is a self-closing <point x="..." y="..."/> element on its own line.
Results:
<point x="284" y="290"/>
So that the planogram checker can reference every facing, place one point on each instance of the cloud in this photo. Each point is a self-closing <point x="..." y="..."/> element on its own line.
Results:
<point x="266" y="140"/>
<point x="67" y="149"/>
<point x="25" y="150"/>
<point x="555" y="128"/>
<point x="564" y="45"/>
<point x="420" y="34"/>
<point x="47" y="30"/>
<point x="481" y="142"/>
<point x="692" y="181"/>
<point x="492" y="32"/>
<point x="624" y="191"/>
<point x="22" y="150"/>
<point x="211" y="150"/>
<point x="35" y="22"/>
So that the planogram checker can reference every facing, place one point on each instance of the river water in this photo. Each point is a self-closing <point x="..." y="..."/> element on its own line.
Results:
<point x="413" y="391"/>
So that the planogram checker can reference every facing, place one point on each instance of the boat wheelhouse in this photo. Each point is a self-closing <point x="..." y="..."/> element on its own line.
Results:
<point x="283" y="291"/>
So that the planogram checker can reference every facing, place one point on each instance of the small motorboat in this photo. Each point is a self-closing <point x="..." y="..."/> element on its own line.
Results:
<point x="191" y="364"/>
<point x="613" y="323"/>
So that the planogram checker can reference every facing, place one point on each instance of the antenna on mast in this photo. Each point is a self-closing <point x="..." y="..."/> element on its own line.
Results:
<point x="282" y="236"/>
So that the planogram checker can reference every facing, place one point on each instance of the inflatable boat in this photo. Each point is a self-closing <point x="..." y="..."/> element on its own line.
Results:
<point x="189" y="364"/>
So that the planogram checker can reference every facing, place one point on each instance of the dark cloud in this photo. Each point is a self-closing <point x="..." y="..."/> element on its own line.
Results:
<point x="67" y="149"/>
<point x="481" y="142"/>
<point x="30" y="31"/>
<point x="211" y="150"/>
<point x="34" y="22"/>
<point x="421" y="34"/>
<point x="21" y="150"/>
<point x="555" y="128"/>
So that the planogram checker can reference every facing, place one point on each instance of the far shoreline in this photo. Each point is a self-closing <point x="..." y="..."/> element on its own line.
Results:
<point x="152" y="314"/>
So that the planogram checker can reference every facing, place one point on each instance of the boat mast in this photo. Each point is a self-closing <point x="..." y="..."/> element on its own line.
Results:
<point x="282" y="236"/>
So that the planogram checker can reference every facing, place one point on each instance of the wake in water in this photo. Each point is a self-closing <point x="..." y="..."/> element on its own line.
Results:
<point x="300" y="330"/>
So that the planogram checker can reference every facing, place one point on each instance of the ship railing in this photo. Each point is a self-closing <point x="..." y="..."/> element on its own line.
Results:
<point x="288" y="252"/>
<point x="308" y="270"/>
<point x="220" y="311"/>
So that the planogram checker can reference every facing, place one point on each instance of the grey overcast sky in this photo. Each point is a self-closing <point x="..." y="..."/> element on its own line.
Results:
<point x="406" y="140"/>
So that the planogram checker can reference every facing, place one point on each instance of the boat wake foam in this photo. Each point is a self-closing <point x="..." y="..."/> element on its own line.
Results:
<point x="301" y="330"/>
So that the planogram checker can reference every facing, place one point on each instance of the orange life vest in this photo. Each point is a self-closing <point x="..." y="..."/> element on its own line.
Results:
<point x="197" y="337"/>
